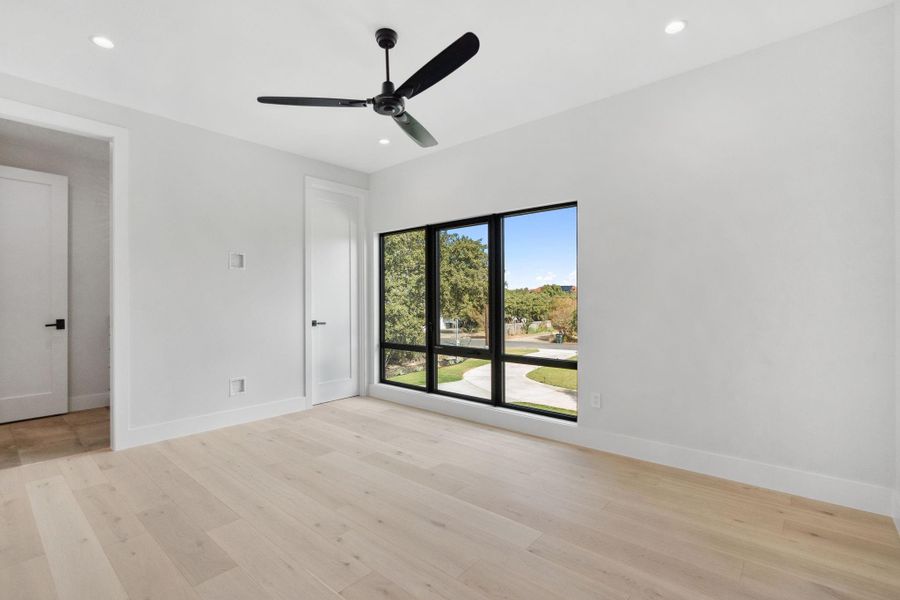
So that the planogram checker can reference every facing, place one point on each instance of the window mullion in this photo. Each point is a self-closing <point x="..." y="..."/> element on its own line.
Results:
<point x="430" y="307"/>
<point x="495" y="290"/>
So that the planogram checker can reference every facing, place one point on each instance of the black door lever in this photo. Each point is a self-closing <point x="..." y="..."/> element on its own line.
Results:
<point x="59" y="324"/>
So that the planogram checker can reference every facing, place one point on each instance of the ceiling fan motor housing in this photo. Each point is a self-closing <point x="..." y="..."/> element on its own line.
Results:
<point x="386" y="38"/>
<point x="386" y="103"/>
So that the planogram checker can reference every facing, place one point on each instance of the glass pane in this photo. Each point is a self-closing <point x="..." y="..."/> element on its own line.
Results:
<point x="541" y="294"/>
<point x="404" y="288"/>
<point x="463" y="281"/>
<point x="547" y="388"/>
<point x="468" y="376"/>
<point x="401" y="366"/>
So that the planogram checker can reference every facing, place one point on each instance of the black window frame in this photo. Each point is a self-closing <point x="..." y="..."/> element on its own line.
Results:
<point x="495" y="352"/>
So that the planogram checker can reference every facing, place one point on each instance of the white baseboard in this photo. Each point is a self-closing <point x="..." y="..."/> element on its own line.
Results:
<point x="147" y="434"/>
<point x="88" y="401"/>
<point x="846" y="492"/>
<point x="896" y="512"/>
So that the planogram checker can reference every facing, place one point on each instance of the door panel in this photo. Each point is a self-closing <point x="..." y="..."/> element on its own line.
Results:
<point x="33" y="292"/>
<point x="334" y="300"/>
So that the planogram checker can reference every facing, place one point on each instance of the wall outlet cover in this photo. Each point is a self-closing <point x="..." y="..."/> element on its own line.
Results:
<point x="237" y="260"/>
<point x="236" y="386"/>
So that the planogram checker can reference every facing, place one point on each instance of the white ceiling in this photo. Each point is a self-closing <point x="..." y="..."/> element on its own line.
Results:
<point x="204" y="61"/>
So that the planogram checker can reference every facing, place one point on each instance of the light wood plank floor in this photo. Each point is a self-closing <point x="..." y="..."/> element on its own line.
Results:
<point x="37" y="440"/>
<point x="365" y="500"/>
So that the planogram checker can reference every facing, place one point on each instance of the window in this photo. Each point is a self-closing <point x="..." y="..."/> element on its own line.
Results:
<point x="403" y="308"/>
<point x="485" y="309"/>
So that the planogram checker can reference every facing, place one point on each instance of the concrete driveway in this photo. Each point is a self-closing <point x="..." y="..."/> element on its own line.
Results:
<point x="477" y="382"/>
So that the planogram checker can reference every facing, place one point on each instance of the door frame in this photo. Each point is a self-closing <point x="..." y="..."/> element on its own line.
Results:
<point x="119" y="259"/>
<point x="361" y="196"/>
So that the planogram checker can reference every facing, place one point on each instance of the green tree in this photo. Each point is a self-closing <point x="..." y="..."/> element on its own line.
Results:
<point x="463" y="279"/>
<point x="404" y="287"/>
<point x="463" y="283"/>
<point x="564" y="315"/>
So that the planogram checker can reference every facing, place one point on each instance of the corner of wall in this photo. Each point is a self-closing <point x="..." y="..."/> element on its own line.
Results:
<point x="88" y="401"/>
<point x="896" y="499"/>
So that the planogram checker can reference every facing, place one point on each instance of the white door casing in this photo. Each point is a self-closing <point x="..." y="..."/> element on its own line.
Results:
<point x="332" y="280"/>
<point x="34" y="220"/>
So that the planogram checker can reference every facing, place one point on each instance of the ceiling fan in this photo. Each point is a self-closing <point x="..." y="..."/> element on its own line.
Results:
<point x="391" y="101"/>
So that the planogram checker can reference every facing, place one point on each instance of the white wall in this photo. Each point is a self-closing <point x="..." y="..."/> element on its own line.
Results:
<point x="194" y="196"/>
<point x="85" y="162"/>
<point x="735" y="260"/>
<point x="896" y="511"/>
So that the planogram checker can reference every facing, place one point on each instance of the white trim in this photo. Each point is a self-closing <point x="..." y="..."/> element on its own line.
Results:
<point x="88" y="401"/>
<point x="361" y="196"/>
<point x="855" y="494"/>
<point x="120" y="289"/>
<point x="158" y="432"/>
<point x="896" y="511"/>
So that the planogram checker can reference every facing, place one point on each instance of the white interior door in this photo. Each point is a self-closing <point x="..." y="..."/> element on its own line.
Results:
<point x="34" y="224"/>
<point x="333" y="263"/>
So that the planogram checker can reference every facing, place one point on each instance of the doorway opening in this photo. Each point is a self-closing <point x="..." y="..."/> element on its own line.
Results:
<point x="54" y="290"/>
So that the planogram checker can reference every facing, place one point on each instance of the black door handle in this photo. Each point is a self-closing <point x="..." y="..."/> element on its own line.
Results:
<point x="317" y="323"/>
<point x="59" y="324"/>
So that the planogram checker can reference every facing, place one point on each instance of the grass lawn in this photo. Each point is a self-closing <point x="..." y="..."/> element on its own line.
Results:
<point x="564" y="378"/>
<point x="556" y="409"/>
<point x="452" y="373"/>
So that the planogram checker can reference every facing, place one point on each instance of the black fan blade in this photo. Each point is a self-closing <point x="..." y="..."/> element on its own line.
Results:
<point x="450" y="59"/>
<point x="415" y="130"/>
<point x="292" y="101"/>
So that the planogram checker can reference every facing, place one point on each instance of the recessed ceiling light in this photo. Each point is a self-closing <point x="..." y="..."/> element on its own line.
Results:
<point x="384" y="141"/>
<point x="677" y="26"/>
<point x="103" y="42"/>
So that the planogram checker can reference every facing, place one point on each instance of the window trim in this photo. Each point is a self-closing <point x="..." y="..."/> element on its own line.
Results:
<point x="496" y="350"/>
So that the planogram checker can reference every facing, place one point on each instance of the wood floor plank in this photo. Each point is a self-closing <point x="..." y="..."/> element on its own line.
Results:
<point x="361" y="499"/>
<point x="81" y="472"/>
<point x="109" y="513"/>
<point x="146" y="571"/>
<point x="600" y="527"/>
<point x="427" y="477"/>
<point x="28" y="580"/>
<point x="139" y="490"/>
<point x="201" y="507"/>
<point x="778" y="585"/>
<point x="196" y="555"/>
<point x="613" y="574"/>
<point x="357" y="444"/>
<point x="79" y="567"/>
<point x="280" y="575"/>
<point x="407" y="565"/>
<point x="430" y="501"/>
<point x="335" y="567"/>
<point x="234" y="584"/>
<point x="821" y="537"/>
<point x="672" y="576"/>
<point x="376" y="585"/>
<point x="494" y="582"/>
<point x="20" y="540"/>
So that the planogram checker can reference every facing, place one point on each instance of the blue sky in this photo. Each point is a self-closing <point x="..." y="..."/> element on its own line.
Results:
<point x="540" y="247"/>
